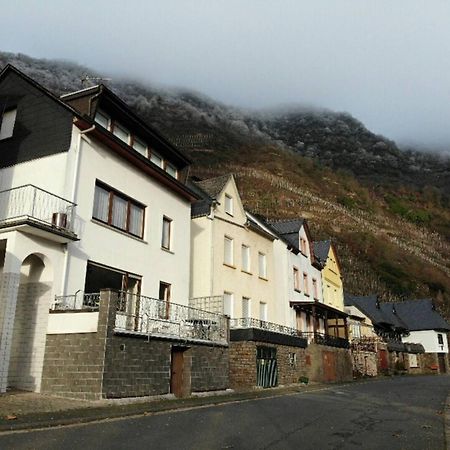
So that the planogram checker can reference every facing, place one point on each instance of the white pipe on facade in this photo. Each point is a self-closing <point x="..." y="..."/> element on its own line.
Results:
<point x="73" y="200"/>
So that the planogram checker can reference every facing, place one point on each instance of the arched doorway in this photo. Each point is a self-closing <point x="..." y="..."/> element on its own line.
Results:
<point x="30" y="323"/>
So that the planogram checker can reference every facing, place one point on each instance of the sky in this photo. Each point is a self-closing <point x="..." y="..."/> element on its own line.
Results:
<point x="387" y="62"/>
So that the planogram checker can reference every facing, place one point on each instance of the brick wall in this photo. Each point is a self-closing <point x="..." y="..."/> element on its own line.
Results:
<point x="243" y="364"/>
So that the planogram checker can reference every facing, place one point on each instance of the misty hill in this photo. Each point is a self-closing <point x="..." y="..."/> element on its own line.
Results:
<point x="388" y="209"/>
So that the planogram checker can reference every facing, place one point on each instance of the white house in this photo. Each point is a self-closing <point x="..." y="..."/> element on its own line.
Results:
<point x="91" y="198"/>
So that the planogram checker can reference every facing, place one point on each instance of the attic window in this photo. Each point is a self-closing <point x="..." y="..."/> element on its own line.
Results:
<point x="228" y="204"/>
<point x="121" y="133"/>
<point x="140" y="146"/>
<point x="156" y="159"/>
<point x="8" y="120"/>
<point x="303" y="246"/>
<point x="171" y="170"/>
<point x="103" y="119"/>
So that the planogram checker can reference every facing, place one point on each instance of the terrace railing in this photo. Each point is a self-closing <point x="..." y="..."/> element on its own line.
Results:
<point x="326" y="339"/>
<point x="32" y="203"/>
<point x="76" y="302"/>
<point x="263" y="325"/>
<point x="151" y="316"/>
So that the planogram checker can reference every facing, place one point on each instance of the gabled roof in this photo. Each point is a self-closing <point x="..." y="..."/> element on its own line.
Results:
<point x="390" y="312"/>
<point x="370" y="306"/>
<point x="213" y="186"/>
<point x="288" y="230"/>
<point x="421" y="315"/>
<point x="321" y="251"/>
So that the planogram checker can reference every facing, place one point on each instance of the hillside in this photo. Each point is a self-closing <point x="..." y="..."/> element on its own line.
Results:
<point x="388" y="209"/>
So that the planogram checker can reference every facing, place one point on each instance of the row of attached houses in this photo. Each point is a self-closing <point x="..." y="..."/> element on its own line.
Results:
<point x="121" y="276"/>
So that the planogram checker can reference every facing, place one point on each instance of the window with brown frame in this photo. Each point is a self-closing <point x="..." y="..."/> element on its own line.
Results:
<point x="296" y="279"/>
<point x="118" y="211"/>
<point x="166" y="233"/>
<point x="164" y="294"/>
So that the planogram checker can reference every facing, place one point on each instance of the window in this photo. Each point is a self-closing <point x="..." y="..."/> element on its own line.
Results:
<point x="305" y="284"/>
<point x="228" y="304"/>
<point x="103" y="119"/>
<point x="171" y="170"/>
<point x="263" y="311"/>
<point x="303" y="246"/>
<point x="166" y="233"/>
<point x="440" y="339"/>
<point x="164" y="294"/>
<point x="156" y="159"/>
<point x="262" y="265"/>
<point x="118" y="211"/>
<point x="8" y="120"/>
<point x="246" y="258"/>
<point x="245" y="307"/>
<point x="296" y="279"/>
<point x="228" y="257"/>
<point x="315" y="291"/>
<point x="228" y="204"/>
<point x="140" y="146"/>
<point x="121" y="133"/>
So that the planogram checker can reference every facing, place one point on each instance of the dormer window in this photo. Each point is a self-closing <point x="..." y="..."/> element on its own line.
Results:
<point x="103" y="119"/>
<point x="122" y="133"/>
<point x="140" y="146"/>
<point x="171" y="170"/>
<point x="228" y="204"/>
<point x="156" y="159"/>
<point x="7" y="120"/>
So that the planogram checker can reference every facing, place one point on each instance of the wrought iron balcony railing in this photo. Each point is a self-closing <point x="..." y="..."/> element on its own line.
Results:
<point x="263" y="325"/>
<point x="36" y="205"/>
<point x="79" y="301"/>
<point x="151" y="316"/>
<point x="326" y="339"/>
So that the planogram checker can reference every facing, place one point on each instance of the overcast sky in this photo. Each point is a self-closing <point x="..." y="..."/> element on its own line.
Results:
<point x="387" y="62"/>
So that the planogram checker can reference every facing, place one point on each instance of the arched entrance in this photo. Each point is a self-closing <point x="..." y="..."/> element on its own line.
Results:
<point x="30" y="323"/>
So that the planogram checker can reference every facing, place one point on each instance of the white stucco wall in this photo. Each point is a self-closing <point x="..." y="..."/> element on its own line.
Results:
<point x="212" y="277"/>
<point x="429" y="340"/>
<point x="68" y="323"/>
<point x="105" y="245"/>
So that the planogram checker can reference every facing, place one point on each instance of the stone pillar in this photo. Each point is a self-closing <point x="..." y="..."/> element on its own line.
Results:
<point x="10" y="282"/>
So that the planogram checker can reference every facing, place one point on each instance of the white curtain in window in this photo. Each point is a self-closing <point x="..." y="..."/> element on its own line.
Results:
<point x="136" y="216"/>
<point x="101" y="204"/>
<point x="228" y="304"/>
<point x="165" y="242"/>
<point x="119" y="213"/>
<point x="245" y="307"/>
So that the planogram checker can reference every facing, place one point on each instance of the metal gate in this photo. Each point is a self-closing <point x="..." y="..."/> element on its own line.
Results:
<point x="266" y="367"/>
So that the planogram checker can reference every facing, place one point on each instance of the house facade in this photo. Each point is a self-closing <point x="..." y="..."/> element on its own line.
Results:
<point x="91" y="198"/>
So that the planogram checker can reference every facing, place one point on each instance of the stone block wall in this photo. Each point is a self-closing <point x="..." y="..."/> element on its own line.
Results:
<point x="210" y="368"/>
<point x="291" y="364"/>
<point x="364" y="364"/>
<point x="339" y="359"/>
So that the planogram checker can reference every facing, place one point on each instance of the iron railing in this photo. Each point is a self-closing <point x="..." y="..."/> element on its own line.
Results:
<point x="326" y="339"/>
<point x="263" y="325"/>
<point x="32" y="203"/>
<point x="78" y="301"/>
<point x="151" y="316"/>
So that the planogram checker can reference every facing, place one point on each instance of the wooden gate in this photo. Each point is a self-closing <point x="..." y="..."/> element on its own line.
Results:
<point x="383" y="360"/>
<point x="176" y="372"/>
<point x="266" y="367"/>
<point x="441" y="361"/>
<point x="329" y="366"/>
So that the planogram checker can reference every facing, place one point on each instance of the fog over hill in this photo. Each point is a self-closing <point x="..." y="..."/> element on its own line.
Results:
<point x="388" y="208"/>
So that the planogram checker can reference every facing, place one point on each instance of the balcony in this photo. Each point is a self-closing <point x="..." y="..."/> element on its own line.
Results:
<point x="137" y="314"/>
<point x="263" y="325"/>
<point x="36" y="211"/>
<point x="76" y="302"/>
<point x="326" y="339"/>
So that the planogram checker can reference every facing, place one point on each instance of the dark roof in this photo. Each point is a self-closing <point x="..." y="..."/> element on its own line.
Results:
<point x="321" y="251"/>
<point x="201" y="207"/>
<point x="390" y="312"/>
<point x="421" y="315"/>
<point x="213" y="186"/>
<point x="369" y="306"/>
<point x="288" y="230"/>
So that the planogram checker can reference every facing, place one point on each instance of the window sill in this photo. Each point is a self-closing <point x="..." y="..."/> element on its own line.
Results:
<point x="167" y="250"/>
<point x="244" y="271"/>
<point x="229" y="265"/>
<point x="297" y="290"/>
<point x="306" y="294"/>
<point x="263" y="278"/>
<point x="116" y="230"/>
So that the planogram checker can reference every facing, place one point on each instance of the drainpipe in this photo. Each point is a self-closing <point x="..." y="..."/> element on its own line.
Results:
<point x="73" y="200"/>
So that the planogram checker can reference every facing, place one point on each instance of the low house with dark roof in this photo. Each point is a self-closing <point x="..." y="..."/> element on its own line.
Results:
<point x="426" y="327"/>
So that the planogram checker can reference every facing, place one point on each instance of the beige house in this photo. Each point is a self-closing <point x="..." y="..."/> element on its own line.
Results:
<point x="232" y="262"/>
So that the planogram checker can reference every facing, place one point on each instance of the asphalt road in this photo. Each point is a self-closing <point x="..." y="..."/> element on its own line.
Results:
<point x="388" y="414"/>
